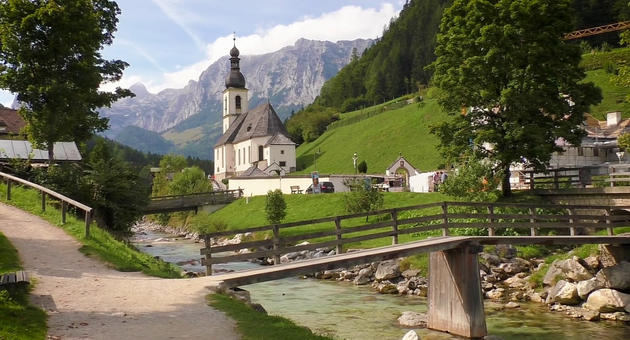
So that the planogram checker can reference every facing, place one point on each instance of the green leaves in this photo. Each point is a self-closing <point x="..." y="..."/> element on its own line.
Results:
<point x="50" y="57"/>
<point x="275" y="206"/>
<point x="504" y="64"/>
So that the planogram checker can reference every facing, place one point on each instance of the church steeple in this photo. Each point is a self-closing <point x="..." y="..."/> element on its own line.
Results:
<point x="235" y="78"/>
<point x="235" y="99"/>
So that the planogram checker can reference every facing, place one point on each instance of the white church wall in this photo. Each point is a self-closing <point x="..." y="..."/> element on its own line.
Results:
<point x="283" y="153"/>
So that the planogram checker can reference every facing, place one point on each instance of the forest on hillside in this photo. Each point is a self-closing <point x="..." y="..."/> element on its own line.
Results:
<point x="396" y="65"/>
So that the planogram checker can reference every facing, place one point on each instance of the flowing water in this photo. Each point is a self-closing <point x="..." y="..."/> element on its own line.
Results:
<point x="351" y="312"/>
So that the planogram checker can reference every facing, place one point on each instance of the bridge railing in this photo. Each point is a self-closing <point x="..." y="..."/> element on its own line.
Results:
<point x="343" y="230"/>
<point x="45" y="191"/>
<point x="579" y="177"/>
<point x="237" y="193"/>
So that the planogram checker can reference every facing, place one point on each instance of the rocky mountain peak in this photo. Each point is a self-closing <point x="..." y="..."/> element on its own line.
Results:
<point x="139" y="90"/>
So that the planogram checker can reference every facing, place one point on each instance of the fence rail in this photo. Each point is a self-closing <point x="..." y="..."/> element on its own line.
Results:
<point x="45" y="191"/>
<point x="580" y="177"/>
<point x="436" y="216"/>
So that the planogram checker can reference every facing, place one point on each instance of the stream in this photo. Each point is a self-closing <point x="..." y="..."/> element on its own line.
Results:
<point x="350" y="312"/>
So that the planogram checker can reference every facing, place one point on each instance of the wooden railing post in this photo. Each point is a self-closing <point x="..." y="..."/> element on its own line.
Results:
<point x="531" y="180"/>
<point x="609" y="229"/>
<point x="88" y="221"/>
<point x="395" y="226"/>
<point x="532" y="211"/>
<point x="64" y="208"/>
<point x="43" y="201"/>
<point x="8" y="189"/>
<point x="339" y="247"/>
<point x="445" y="214"/>
<point x="491" y="220"/>
<point x="276" y="244"/>
<point x="207" y="240"/>
<point x="556" y="184"/>
<point x="571" y="212"/>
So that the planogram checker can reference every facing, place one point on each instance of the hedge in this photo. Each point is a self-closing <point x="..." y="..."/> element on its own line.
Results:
<point x="595" y="61"/>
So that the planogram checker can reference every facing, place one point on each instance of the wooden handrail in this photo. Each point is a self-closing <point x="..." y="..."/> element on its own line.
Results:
<point x="209" y="193"/>
<point x="64" y="200"/>
<point x="489" y="217"/>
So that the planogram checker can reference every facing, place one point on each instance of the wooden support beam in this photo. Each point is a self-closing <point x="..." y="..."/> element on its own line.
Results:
<point x="455" y="295"/>
<point x="394" y="214"/>
<point x="445" y="218"/>
<point x="43" y="201"/>
<point x="276" y="244"/>
<point x="64" y="209"/>
<point x="491" y="219"/>
<point x="208" y="244"/>
<point x="8" y="189"/>
<point x="532" y="211"/>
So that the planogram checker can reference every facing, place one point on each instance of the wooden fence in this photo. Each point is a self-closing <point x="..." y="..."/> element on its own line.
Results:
<point x="44" y="191"/>
<point x="581" y="177"/>
<point x="444" y="215"/>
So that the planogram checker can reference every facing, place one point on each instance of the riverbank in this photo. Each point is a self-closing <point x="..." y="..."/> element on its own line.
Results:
<point x="336" y="306"/>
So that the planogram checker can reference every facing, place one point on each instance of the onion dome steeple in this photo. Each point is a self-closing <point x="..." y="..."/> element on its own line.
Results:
<point x="235" y="78"/>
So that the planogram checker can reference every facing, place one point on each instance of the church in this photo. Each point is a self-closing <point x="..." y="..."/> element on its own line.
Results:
<point x="254" y="142"/>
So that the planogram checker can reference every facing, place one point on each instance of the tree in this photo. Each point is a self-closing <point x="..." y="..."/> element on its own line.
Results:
<point x="363" y="197"/>
<point x="50" y="57"/>
<point x="189" y="181"/>
<point x="275" y="206"/>
<point x="512" y="83"/>
<point x="117" y="192"/>
<point x="624" y="141"/>
<point x="362" y="167"/>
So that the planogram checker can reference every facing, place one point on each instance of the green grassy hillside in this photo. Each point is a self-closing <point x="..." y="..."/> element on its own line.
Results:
<point x="614" y="95"/>
<point x="377" y="141"/>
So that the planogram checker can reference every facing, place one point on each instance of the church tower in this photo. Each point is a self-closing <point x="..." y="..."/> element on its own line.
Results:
<point x="235" y="101"/>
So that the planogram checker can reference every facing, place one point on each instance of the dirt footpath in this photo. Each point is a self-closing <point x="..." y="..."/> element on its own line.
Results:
<point x="87" y="300"/>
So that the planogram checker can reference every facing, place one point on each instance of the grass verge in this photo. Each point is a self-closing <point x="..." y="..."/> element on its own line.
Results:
<point x="253" y="325"/>
<point x="100" y="244"/>
<point x="18" y="319"/>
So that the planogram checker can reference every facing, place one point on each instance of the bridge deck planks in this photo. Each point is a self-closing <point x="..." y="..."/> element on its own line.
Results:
<point x="280" y="271"/>
<point x="270" y="273"/>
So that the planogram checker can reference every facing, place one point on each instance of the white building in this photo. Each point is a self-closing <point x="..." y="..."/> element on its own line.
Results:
<point x="251" y="138"/>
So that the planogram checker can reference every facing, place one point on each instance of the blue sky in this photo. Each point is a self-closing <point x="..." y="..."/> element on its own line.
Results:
<point x="169" y="42"/>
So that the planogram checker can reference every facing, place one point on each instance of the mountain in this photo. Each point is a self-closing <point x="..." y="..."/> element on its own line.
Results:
<point x="289" y="78"/>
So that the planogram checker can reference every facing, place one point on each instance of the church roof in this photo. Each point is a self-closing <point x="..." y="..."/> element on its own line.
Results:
<point x="259" y="122"/>
<point x="279" y="139"/>
<point x="254" y="171"/>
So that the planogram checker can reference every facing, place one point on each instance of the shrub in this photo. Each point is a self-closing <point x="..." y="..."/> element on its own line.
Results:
<point x="275" y="206"/>
<point x="595" y="61"/>
<point x="585" y="47"/>
<point x="610" y="67"/>
<point x="606" y="47"/>
<point x="362" y="167"/>
<point x="362" y="197"/>
<point x="474" y="181"/>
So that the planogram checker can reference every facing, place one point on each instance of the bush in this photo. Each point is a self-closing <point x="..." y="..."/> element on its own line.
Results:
<point x="585" y="47"/>
<point x="205" y="223"/>
<point x="595" y="61"/>
<point x="474" y="181"/>
<point x="610" y="67"/>
<point x="606" y="47"/>
<point x="362" y="197"/>
<point x="275" y="206"/>
<point x="362" y="167"/>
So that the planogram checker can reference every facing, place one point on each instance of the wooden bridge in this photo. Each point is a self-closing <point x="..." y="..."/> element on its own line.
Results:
<point x="191" y="202"/>
<point x="455" y="294"/>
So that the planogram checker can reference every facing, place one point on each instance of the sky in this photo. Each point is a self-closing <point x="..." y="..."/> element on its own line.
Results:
<point x="170" y="42"/>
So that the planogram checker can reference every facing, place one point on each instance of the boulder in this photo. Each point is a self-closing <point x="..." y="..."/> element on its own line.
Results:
<point x="411" y="335"/>
<point x="586" y="287"/>
<point x="590" y="315"/>
<point x="512" y="305"/>
<point x="537" y="298"/>
<point x="387" y="270"/>
<point x="495" y="294"/>
<point x="554" y="274"/>
<point x="507" y="251"/>
<point x="361" y="280"/>
<point x="409" y="273"/>
<point x="565" y="293"/>
<point x="592" y="263"/>
<point x="569" y="269"/>
<point x="607" y="301"/>
<point x="413" y="319"/>
<point x="490" y="259"/>
<point x="616" y="316"/>
<point x="367" y="272"/>
<point x="616" y="277"/>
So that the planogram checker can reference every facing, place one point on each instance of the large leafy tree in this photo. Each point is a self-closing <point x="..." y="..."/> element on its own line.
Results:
<point x="511" y="82"/>
<point x="50" y="56"/>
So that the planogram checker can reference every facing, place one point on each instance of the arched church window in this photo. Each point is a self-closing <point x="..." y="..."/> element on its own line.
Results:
<point x="237" y="100"/>
<point x="261" y="151"/>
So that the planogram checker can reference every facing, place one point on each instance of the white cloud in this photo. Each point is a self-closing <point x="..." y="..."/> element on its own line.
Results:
<point x="174" y="11"/>
<point x="347" y="23"/>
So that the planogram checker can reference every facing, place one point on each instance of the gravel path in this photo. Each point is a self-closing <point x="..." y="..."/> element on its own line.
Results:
<point x="87" y="300"/>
